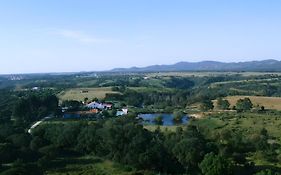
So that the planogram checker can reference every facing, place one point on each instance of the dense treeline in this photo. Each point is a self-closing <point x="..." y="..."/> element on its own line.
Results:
<point x="156" y="98"/>
<point x="27" y="106"/>
<point x="124" y="140"/>
<point x="7" y="101"/>
<point x="32" y="108"/>
<point x="16" y="145"/>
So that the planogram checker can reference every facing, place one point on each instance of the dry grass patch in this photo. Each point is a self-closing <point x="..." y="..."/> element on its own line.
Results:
<point x="267" y="102"/>
<point x="81" y="93"/>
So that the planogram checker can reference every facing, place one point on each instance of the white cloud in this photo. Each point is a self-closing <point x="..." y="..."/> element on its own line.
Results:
<point x="81" y="37"/>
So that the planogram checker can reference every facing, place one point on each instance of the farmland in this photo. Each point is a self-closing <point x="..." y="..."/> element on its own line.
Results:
<point x="81" y="93"/>
<point x="258" y="101"/>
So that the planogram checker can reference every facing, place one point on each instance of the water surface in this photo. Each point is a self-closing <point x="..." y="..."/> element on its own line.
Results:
<point x="167" y="119"/>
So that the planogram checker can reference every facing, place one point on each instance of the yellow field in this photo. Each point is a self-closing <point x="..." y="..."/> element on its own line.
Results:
<point x="81" y="93"/>
<point x="267" y="102"/>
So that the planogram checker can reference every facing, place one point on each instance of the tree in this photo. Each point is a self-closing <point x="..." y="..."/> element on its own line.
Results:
<point x="18" y="167"/>
<point x="223" y="104"/>
<point x="86" y="99"/>
<point x="7" y="152"/>
<point x="88" y="140"/>
<point x="35" y="106"/>
<point x="22" y="110"/>
<point x="126" y="142"/>
<point x="215" y="165"/>
<point x="36" y="143"/>
<point x="180" y="83"/>
<point x="189" y="152"/>
<point x="158" y="120"/>
<point x="267" y="172"/>
<point x="72" y="105"/>
<point x="261" y="140"/>
<point x="244" y="105"/>
<point x="207" y="105"/>
<point x="106" y="114"/>
<point x="178" y="115"/>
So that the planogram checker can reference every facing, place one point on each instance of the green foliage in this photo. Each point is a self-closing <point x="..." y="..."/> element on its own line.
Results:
<point x="158" y="120"/>
<point x="72" y="105"/>
<point x="177" y="116"/>
<point x="207" y="105"/>
<point x="267" y="172"/>
<point x="223" y="104"/>
<point x="190" y="148"/>
<point x="7" y="152"/>
<point x="7" y="101"/>
<point x="189" y="152"/>
<point x="180" y="83"/>
<point x="244" y="105"/>
<point x="215" y="165"/>
<point x="34" y="107"/>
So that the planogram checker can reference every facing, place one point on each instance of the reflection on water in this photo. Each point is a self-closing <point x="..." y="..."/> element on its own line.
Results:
<point x="167" y="119"/>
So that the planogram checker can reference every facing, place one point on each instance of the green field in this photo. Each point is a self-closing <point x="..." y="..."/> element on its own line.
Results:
<point x="249" y="125"/>
<point x="88" y="165"/>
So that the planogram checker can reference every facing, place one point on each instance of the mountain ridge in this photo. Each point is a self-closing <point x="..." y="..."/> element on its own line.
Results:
<point x="263" y="65"/>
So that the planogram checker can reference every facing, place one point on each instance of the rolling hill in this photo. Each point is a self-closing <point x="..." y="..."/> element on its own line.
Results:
<point x="255" y="66"/>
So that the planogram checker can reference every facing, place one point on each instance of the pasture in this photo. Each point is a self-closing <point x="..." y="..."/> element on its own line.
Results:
<point x="248" y="123"/>
<point x="76" y="165"/>
<point x="258" y="101"/>
<point x="81" y="93"/>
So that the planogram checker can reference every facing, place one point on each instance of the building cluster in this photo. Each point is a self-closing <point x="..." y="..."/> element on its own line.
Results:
<point x="94" y="108"/>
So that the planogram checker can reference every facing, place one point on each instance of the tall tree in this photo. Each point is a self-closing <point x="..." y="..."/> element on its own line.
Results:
<point x="215" y="165"/>
<point x="223" y="104"/>
<point x="244" y="105"/>
<point x="207" y="105"/>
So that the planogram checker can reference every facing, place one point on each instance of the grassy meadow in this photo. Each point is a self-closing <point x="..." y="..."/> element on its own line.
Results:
<point x="81" y="93"/>
<point x="88" y="165"/>
<point x="247" y="124"/>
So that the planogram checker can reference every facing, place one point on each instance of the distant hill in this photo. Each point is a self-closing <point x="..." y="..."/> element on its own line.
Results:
<point x="255" y="66"/>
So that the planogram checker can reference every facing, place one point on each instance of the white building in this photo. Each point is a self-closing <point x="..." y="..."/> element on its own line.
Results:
<point x="124" y="111"/>
<point x="101" y="106"/>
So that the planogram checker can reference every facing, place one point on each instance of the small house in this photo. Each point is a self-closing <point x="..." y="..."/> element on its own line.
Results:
<point x="124" y="111"/>
<point x="100" y="106"/>
<point x="95" y="105"/>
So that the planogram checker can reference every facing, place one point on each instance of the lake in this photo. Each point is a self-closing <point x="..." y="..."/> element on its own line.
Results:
<point x="167" y="119"/>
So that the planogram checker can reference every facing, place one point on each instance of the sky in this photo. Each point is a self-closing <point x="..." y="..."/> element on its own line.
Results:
<point x="92" y="35"/>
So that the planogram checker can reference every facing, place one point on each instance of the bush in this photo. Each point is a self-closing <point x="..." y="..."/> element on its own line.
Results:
<point x="213" y="164"/>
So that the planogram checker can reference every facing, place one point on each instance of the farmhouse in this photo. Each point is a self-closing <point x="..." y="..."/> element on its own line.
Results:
<point x="124" y="111"/>
<point x="107" y="105"/>
<point x="101" y="106"/>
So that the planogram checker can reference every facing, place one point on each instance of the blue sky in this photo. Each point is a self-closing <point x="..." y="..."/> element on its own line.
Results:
<point x="91" y="35"/>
